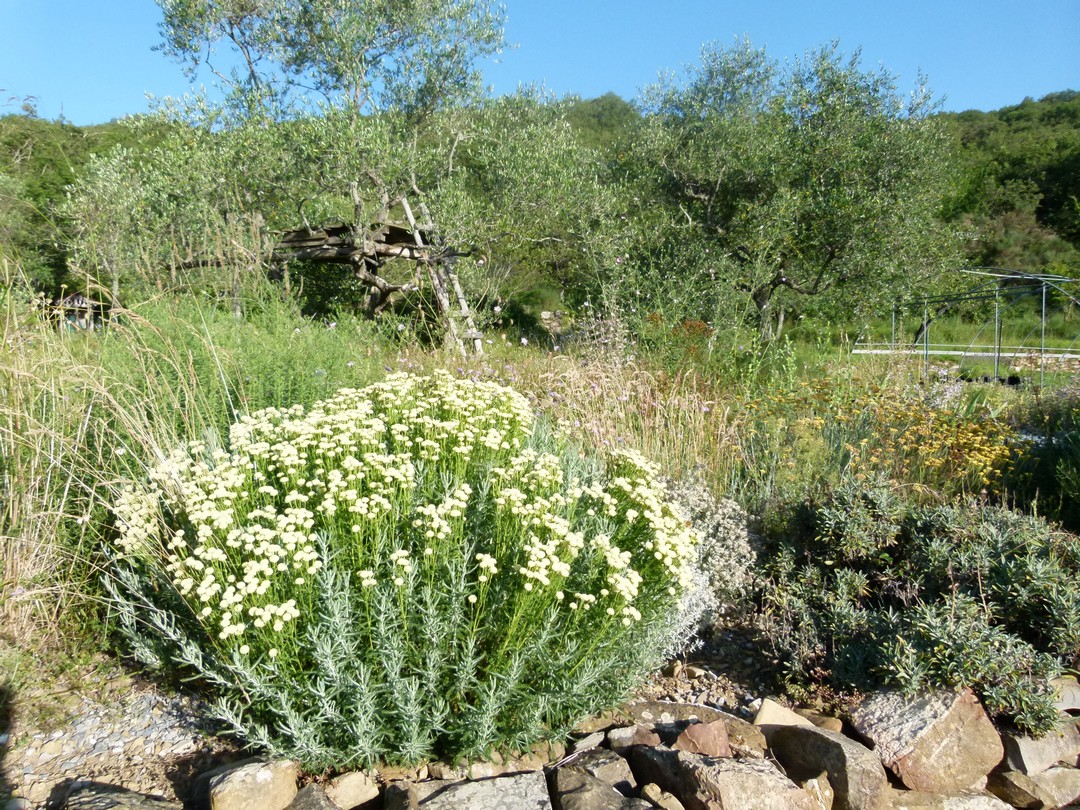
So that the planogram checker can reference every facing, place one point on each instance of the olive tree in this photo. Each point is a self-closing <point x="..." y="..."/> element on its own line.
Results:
<point x="414" y="56"/>
<point x="815" y="180"/>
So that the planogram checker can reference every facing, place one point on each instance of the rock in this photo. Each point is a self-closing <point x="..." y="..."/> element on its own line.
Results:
<point x="578" y="790"/>
<point x="608" y="767"/>
<point x="820" y="791"/>
<point x="588" y="742"/>
<point x="487" y="770"/>
<point x="772" y="716"/>
<point x="941" y="741"/>
<point x="254" y="786"/>
<point x="1016" y="789"/>
<point x="311" y="797"/>
<point x="599" y="722"/>
<point x="855" y="772"/>
<point x="659" y="711"/>
<point x="705" y="783"/>
<point x="515" y="792"/>
<point x="821" y="720"/>
<point x="1060" y="785"/>
<point x="402" y="796"/>
<point x="745" y="739"/>
<point x="549" y="751"/>
<point x="351" y="790"/>
<point x="1068" y="693"/>
<point x="17" y="803"/>
<point x="397" y="773"/>
<point x="921" y="800"/>
<point x="98" y="796"/>
<point x="660" y="798"/>
<point x="709" y="739"/>
<point x="620" y="739"/>
<point x="1035" y="754"/>
<point x="444" y="771"/>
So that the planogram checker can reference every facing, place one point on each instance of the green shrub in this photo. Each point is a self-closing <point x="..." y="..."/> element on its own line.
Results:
<point x="401" y="572"/>
<point x="866" y="589"/>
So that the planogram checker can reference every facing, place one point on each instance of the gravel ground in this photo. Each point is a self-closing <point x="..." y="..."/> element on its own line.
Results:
<point x="126" y="733"/>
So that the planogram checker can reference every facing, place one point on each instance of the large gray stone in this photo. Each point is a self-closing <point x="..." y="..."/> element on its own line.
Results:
<point x="705" y="783"/>
<point x="254" y="786"/>
<point x="578" y="790"/>
<point x="1032" y="755"/>
<point x="520" y="791"/>
<point x="98" y="796"/>
<point x="855" y="772"/>
<point x="921" y="800"/>
<point x="941" y="741"/>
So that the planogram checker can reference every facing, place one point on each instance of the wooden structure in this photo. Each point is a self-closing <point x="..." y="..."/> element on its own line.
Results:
<point x="368" y="249"/>
<point x="75" y="312"/>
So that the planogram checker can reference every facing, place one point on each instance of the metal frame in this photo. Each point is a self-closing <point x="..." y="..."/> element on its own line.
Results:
<point x="1031" y="283"/>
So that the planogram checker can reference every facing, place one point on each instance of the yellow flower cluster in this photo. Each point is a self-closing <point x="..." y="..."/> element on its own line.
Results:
<point x="937" y="447"/>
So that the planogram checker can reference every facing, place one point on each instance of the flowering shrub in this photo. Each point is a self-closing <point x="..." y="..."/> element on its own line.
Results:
<point x="405" y="571"/>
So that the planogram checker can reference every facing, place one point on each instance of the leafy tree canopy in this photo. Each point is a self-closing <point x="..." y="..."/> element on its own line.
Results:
<point x="814" y="180"/>
<point x="408" y="55"/>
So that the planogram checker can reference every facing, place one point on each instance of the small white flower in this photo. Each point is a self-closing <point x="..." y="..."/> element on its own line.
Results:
<point x="524" y="341"/>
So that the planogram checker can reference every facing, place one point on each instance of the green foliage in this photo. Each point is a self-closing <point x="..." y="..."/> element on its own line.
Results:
<point x="400" y="572"/>
<point x="38" y="159"/>
<point x="1018" y="186"/>
<point x="810" y="187"/>
<point x="607" y="123"/>
<point x="411" y="57"/>
<point x="867" y="589"/>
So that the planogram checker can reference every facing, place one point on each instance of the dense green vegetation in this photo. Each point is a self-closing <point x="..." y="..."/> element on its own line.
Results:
<point x="679" y="276"/>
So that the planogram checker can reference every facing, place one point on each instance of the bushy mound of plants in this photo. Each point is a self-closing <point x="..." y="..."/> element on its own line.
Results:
<point x="722" y="572"/>
<point x="402" y="572"/>
<point x="867" y="590"/>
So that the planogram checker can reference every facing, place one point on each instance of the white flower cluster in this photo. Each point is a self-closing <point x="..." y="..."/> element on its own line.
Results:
<point x="237" y="531"/>
<point x="387" y="478"/>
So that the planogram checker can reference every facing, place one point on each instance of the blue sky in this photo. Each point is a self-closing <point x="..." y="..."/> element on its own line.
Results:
<point x="92" y="61"/>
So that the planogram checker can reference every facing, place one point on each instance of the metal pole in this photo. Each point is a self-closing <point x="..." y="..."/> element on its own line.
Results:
<point x="926" y="339"/>
<point x="1042" y="347"/>
<point x="997" y="332"/>
<point x="893" y="344"/>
